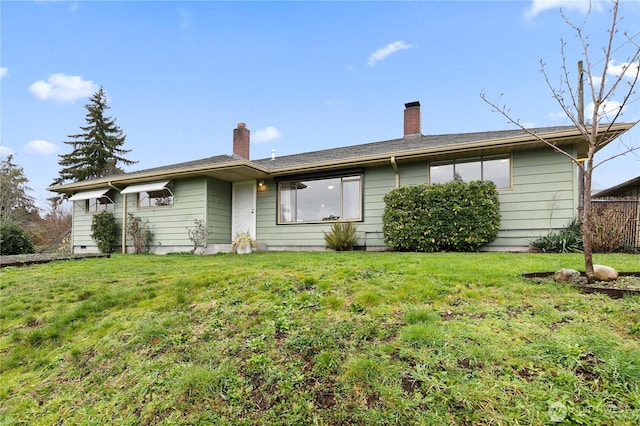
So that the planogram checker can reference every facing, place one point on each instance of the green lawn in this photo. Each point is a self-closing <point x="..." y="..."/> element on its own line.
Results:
<point x="315" y="338"/>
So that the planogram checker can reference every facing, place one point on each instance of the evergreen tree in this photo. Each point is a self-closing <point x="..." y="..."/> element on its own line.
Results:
<point x="97" y="151"/>
<point x="16" y="207"/>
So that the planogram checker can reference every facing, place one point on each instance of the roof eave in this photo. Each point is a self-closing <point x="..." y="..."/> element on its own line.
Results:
<point x="240" y="168"/>
<point x="245" y="169"/>
<point x="506" y="144"/>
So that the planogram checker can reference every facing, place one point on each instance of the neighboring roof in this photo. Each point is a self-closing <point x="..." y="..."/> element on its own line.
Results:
<point x="620" y="188"/>
<point x="434" y="147"/>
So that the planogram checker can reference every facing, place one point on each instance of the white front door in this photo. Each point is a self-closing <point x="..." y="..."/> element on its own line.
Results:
<point x="243" y="208"/>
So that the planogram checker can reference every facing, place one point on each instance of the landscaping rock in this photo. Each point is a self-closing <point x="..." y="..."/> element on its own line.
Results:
<point x="604" y="273"/>
<point x="566" y="275"/>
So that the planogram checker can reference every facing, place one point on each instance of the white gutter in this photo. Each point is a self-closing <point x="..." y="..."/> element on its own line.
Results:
<point x="397" y="172"/>
<point x="124" y="217"/>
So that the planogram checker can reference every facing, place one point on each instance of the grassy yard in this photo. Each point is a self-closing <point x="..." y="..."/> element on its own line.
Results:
<point x="315" y="338"/>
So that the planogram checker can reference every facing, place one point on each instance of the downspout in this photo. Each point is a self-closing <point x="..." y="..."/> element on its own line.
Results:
<point x="397" y="172"/>
<point x="124" y="217"/>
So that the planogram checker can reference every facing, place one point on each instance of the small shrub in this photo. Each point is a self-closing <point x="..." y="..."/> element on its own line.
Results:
<point x="197" y="234"/>
<point x="104" y="231"/>
<point x="242" y="241"/>
<point x="454" y="216"/>
<point x="342" y="236"/>
<point x="568" y="240"/>
<point x="139" y="233"/>
<point x="609" y="225"/>
<point x="14" y="240"/>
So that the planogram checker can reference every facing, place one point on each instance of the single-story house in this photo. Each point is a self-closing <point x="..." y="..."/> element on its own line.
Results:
<point x="286" y="202"/>
<point x="630" y="188"/>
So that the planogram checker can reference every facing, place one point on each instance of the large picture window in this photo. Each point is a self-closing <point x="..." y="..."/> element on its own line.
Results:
<point x="496" y="169"/>
<point x="320" y="200"/>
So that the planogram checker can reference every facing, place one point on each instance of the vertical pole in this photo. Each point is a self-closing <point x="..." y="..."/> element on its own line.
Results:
<point x="580" y="93"/>
<point x="581" y="123"/>
<point x="124" y="223"/>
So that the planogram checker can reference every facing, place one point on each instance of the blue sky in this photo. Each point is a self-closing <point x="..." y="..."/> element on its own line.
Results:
<point x="303" y="76"/>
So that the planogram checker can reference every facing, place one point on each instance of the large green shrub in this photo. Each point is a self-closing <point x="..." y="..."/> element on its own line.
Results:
<point x="104" y="231"/>
<point x="14" y="240"/>
<point x="454" y="216"/>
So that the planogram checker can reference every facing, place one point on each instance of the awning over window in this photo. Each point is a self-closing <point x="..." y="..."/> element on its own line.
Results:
<point x="145" y="187"/>
<point x="88" y="195"/>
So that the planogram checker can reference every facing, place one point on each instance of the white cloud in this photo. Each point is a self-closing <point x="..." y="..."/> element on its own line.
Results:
<point x="63" y="88"/>
<point x="5" y="151"/>
<point x="628" y="69"/>
<point x="596" y="80"/>
<point x="4" y="71"/>
<point x="539" y="6"/>
<point x="40" y="146"/>
<point x="382" y="53"/>
<point x="267" y="134"/>
<point x="608" y="110"/>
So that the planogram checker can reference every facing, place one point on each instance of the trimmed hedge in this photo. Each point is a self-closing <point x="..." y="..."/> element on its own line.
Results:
<point x="454" y="216"/>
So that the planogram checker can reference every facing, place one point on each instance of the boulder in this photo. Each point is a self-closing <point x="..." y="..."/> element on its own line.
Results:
<point x="566" y="275"/>
<point x="604" y="273"/>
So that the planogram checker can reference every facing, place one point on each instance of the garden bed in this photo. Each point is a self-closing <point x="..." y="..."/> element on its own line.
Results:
<point x="627" y="283"/>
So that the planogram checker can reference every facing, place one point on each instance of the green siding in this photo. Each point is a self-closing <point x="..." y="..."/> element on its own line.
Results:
<point x="376" y="183"/>
<point x="169" y="224"/>
<point x="543" y="197"/>
<point x="218" y="211"/>
<point x="81" y="226"/>
<point x="195" y="198"/>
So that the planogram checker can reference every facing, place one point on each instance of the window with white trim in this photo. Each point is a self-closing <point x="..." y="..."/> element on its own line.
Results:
<point x="100" y="204"/>
<point x="316" y="200"/>
<point x="495" y="168"/>
<point x="160" y="198"/>
<point x="151" y="194"/>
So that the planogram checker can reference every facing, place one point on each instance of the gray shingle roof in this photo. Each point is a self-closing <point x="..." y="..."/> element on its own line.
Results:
<point x="232" y="167"/>
<point x="209" y="161"/>
<point x="388" y="147"/>
<point x="395" y="145"/>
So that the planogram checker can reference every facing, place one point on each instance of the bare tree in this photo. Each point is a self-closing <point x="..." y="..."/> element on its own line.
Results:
<point x="596" y="132"/>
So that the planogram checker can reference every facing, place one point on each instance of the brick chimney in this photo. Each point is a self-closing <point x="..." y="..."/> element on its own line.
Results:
<point x="412" y="119"/>
<point x="241" y="141"/>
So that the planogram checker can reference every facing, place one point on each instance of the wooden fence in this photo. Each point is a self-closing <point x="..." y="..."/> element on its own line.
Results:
<point x="623" y="213"/>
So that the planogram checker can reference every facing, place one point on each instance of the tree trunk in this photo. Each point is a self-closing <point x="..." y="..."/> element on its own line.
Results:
<point x="587" y="224"/>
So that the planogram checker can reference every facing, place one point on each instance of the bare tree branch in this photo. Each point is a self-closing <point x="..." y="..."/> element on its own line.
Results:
<point x="505" y="112"/>
<point x="596" y="134"/>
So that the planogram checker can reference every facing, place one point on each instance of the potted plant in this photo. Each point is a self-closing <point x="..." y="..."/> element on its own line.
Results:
<point x="243" y="243"/>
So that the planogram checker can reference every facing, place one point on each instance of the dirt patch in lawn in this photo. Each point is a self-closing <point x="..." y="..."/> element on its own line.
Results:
<point x="627" y="283"/>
